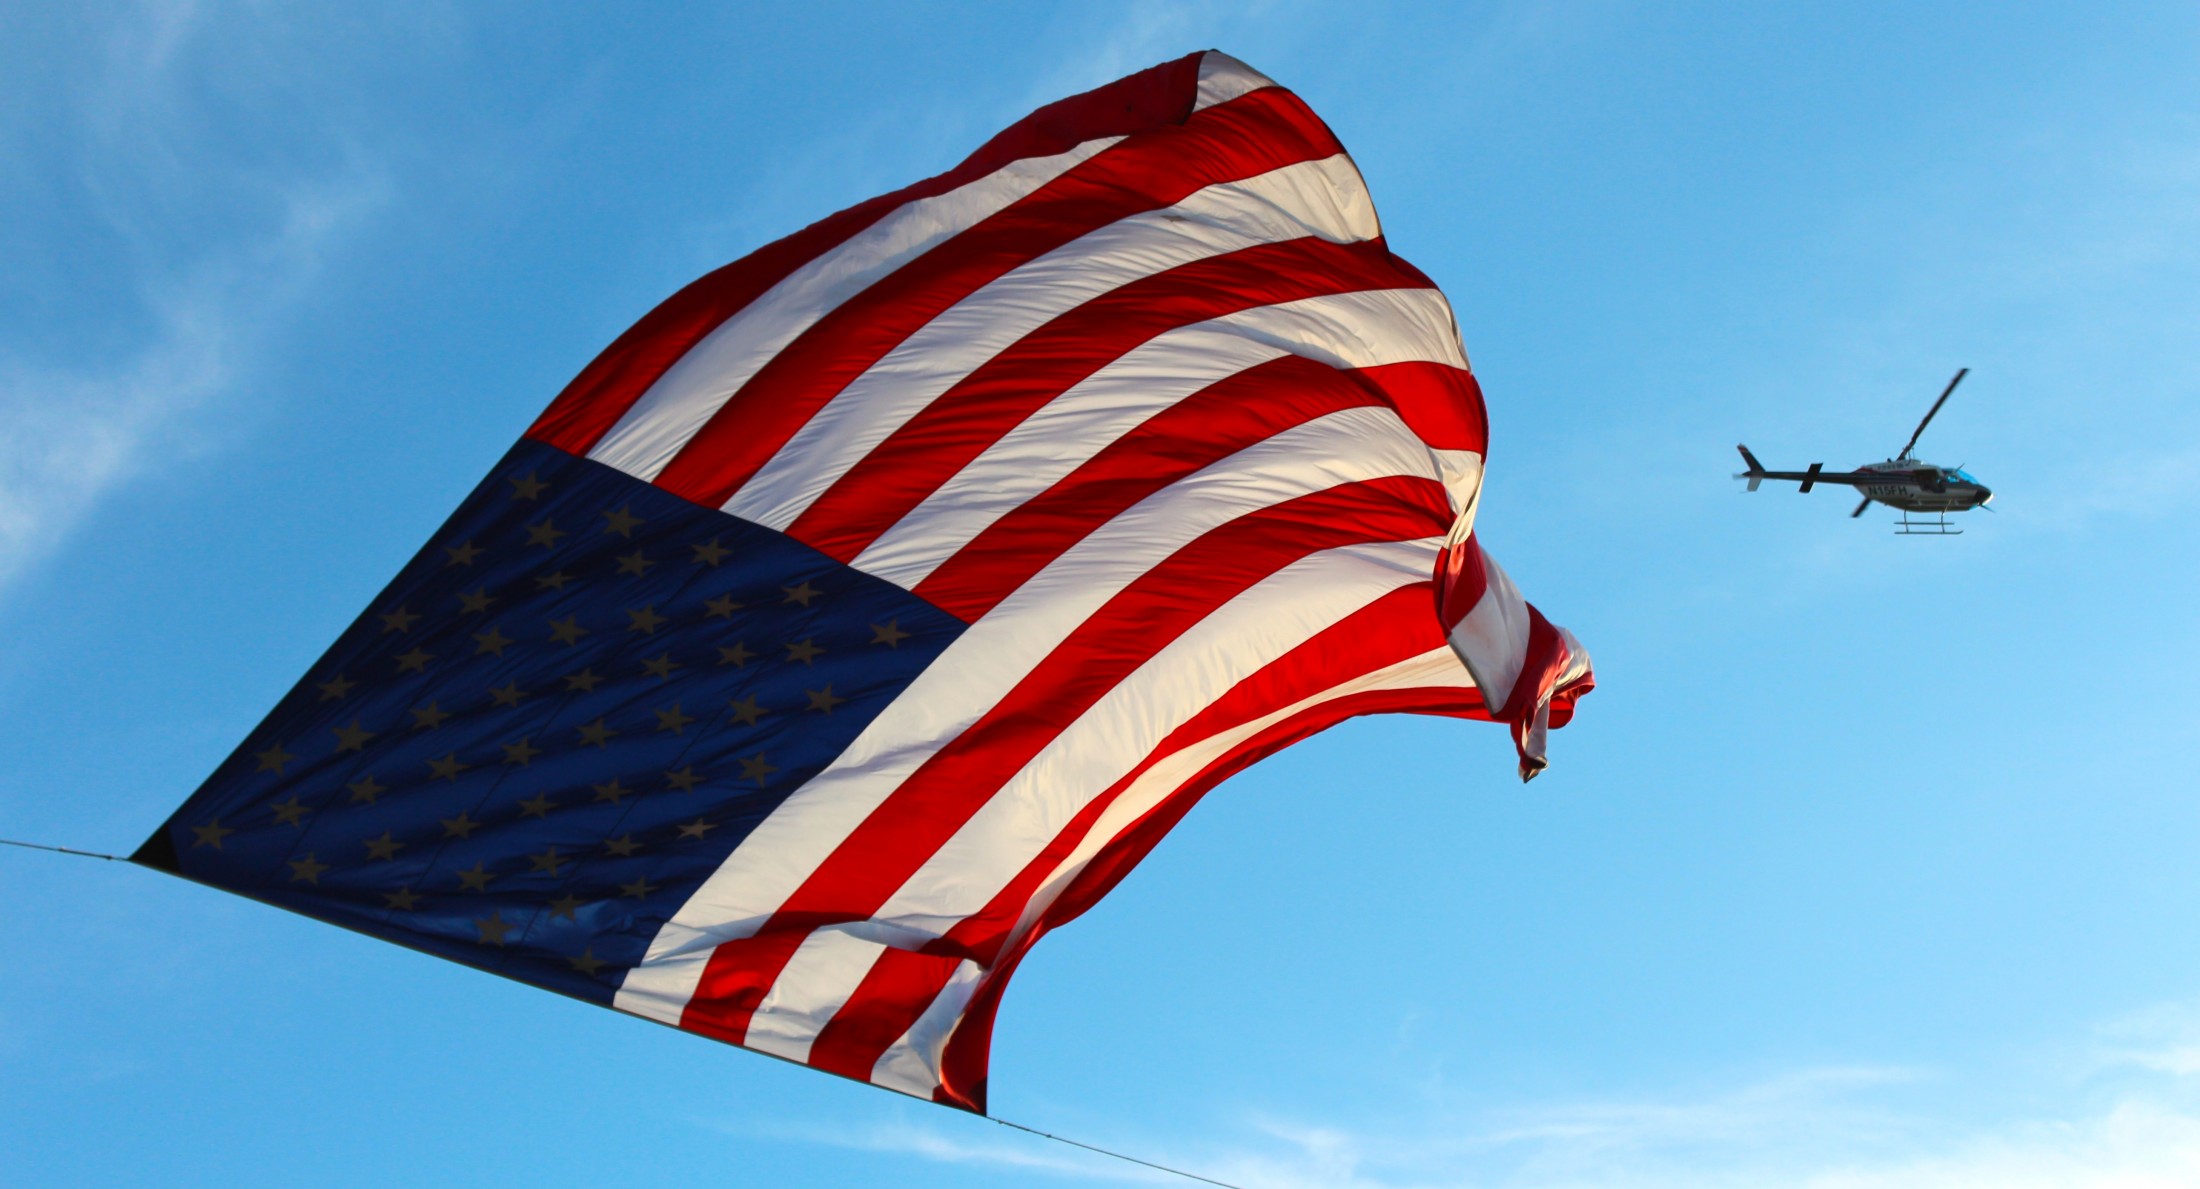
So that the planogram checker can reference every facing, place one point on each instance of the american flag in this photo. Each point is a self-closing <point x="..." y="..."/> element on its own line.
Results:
<point x="878" y="601"/>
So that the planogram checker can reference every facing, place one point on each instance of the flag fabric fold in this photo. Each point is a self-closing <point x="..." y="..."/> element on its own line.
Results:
<point x="873" y="605"/>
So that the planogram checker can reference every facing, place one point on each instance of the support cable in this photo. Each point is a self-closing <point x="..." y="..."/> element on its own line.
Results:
<point x="63" y="850"/>
<point x="1060" y="1139"/>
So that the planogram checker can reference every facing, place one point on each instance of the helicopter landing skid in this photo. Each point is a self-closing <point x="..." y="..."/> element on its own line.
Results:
<point x="1938" y="526"/>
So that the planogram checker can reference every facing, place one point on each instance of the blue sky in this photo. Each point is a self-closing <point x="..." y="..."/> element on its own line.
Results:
<point x="1870" y="865"/>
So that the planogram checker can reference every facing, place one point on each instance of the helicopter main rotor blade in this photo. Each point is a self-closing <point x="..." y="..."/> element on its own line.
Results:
<point x="1920" y="431"/>
<point x="1866" y="502"/>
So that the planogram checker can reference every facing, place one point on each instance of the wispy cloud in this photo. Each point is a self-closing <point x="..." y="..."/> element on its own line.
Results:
<point x="75" y="433"/>
<point x="75" y="430"/>
<point x="964" y="1145"/>
<point x="2129" y="1118"/>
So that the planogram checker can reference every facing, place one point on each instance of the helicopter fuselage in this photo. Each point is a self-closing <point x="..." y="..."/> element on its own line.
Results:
<point x="1915" y="486"/>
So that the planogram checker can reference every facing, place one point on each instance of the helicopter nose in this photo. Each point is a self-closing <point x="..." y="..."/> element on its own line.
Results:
<point x="1985" y="496"/>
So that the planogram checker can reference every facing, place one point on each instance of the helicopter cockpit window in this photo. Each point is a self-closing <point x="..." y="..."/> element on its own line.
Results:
<point x="1961" y="476"/>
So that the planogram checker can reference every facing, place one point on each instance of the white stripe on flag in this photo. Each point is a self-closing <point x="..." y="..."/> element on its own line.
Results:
<point x="1492" y="638"/>
<point x="1324" y="199"/>
<point x="825" y="969"/>
<point x="1223" y="78"/>
<point x="987" y="660"/>
<point x="663" y="995"/>
<point x="660" y="423"/>
<point x="1348" y="330"/>
<point x="1436" y="668"/>
<point x="1032" y="808"/>
<point x="912" y="1064"/>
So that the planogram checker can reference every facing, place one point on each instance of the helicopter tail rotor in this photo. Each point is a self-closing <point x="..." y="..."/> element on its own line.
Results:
<point x="1756" y="472"/>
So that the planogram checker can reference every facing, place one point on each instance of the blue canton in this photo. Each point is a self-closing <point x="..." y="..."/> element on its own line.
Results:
<point x="556" y="722"/>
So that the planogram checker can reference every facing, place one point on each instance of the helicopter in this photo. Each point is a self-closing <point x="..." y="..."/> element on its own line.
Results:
<point x="1904" y="483"/>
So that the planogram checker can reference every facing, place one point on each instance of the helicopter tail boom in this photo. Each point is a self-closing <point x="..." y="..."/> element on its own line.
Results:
<point x="1815" y="476"/>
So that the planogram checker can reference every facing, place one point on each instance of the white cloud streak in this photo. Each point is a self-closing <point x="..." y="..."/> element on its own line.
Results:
<point x="75" y="433"/>
<point x="938" y="1145"/>
<point x="2128" y="1118"/>
<point x="70" y="433"/>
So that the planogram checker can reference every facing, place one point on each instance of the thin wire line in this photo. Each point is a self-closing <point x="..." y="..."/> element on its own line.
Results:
<point x="1118" y="1155"/>
<point x="63" y="850"/>
<point x="1060" y="1139"/>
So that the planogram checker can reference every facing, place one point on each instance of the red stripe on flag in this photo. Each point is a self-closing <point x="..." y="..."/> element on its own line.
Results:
<point x="1564" y="697"/>
<point x="893" y="994"/>
<point x="1440" y="403"/>
<point x="1391" y="629"/>
<point x="1262" y="131"/>
<point x="931" y="447"/>
<point x="610" y="385"/>
<point x="1143" y="618"/>
<point x="1461" y="581"/>
<point x="1546" y="659"/>
<point x="1183" y="439"/>
<point x="963" y="1065"/>
<point x="896" y="839"/>
<point x="735" y="980"/>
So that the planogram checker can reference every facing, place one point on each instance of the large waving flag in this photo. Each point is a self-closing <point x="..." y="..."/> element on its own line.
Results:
<point x="876" y="603"/>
